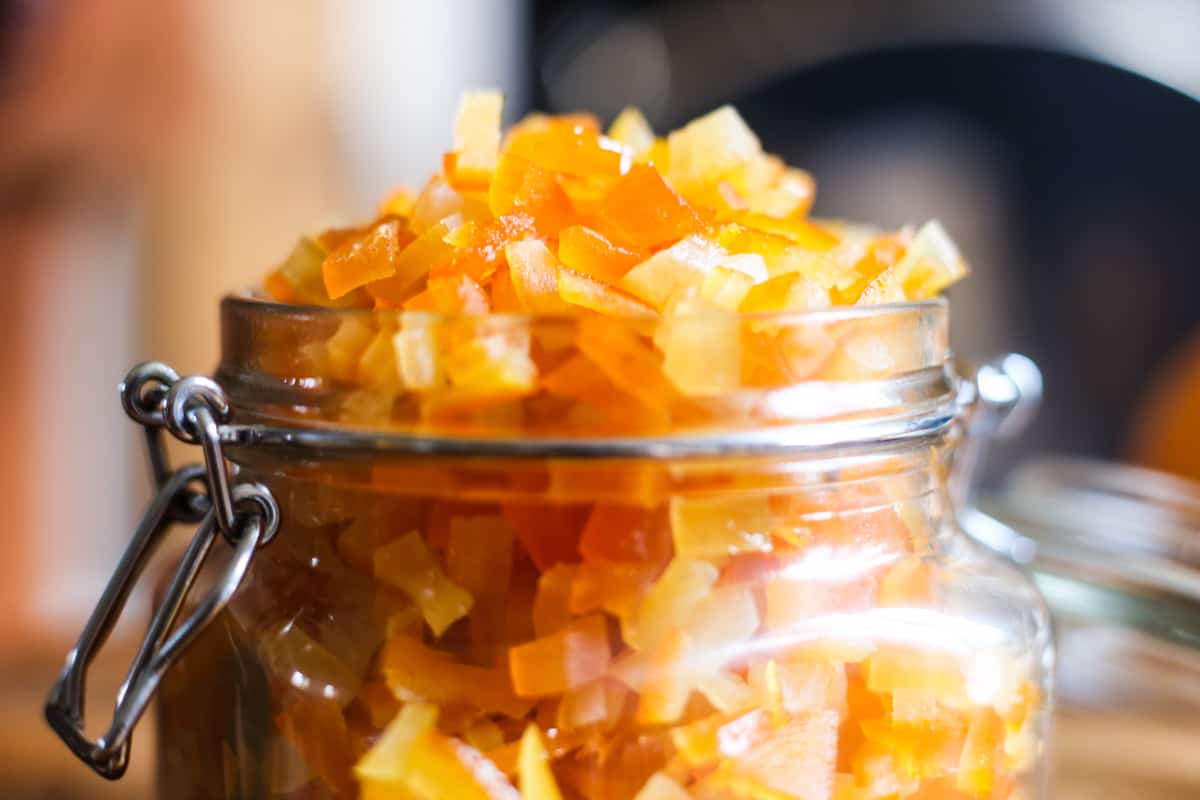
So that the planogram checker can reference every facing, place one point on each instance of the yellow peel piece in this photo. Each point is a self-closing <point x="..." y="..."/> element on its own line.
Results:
<point x="477" y="130"/>
<point x="533" y="768"/>
<point x="631" y="129"/>
<point x="661" y="786"/>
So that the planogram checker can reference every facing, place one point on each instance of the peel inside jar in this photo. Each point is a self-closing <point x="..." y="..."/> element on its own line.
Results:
<point x="644" y="644"/>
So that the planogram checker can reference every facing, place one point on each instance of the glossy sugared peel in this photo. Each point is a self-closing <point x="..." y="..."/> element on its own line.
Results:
<point x="557" y="218"/>
<point x="741" y="644"/>
<point x="653" y="645"/>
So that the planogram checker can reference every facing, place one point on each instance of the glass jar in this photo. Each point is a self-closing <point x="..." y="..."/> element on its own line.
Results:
<point x="1114" y="550"/>
<point x="753" y="593"/>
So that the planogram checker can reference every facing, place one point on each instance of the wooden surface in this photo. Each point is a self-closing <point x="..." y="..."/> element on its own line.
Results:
<point x="1110" y="756"/>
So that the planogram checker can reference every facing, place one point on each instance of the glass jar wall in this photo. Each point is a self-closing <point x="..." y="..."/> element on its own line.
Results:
<point x="1114" y="550"/>
<point x="607" y="593"/>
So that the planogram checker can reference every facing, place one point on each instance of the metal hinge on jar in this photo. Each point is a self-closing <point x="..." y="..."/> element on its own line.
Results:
<point x="997" y="399"/>
<point x="244" y="515"/>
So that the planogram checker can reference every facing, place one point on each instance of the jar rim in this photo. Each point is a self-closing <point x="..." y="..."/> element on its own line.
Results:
<point x="891" y="380"/>
<point x="251" y="299"/>
<point x="847" y="438"/>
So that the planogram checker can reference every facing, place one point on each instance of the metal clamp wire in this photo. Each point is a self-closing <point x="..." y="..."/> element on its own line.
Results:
<point x="165" y="641"/>
<point x="193" y="409"/>
<point x="185" y="397"/>
<point x="159" y="650"/>
<point x="144" y="391"/>
<point x="64" y="708"/>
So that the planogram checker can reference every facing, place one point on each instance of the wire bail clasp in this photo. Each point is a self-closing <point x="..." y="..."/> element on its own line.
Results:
<point x="245" y="514"/>
<point x="997" y="400"/>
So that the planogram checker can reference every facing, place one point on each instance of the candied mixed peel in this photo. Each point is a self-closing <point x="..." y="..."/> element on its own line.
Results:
<point x="684" y="238"/>
<point x="651" y="645"/>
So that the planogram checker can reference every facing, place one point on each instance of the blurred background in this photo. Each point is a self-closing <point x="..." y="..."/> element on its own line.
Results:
<point x="156" y="155"/>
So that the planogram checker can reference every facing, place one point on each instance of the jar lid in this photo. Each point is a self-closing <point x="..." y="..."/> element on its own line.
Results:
<point x="1109" y="542"/>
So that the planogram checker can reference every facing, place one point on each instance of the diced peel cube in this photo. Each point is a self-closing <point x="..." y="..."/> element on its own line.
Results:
<point x="670" y="272"/>
<point x="477" y="130"/>
<point x="407" y="564"/>
<point x="709" y="146"/>
<point x="533" y="768"/>
<point x="631" y="129"/>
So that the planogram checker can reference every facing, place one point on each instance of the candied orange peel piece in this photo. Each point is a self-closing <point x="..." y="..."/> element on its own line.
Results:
<point x="563" y="660"/>
<point x="408" y="564"/>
